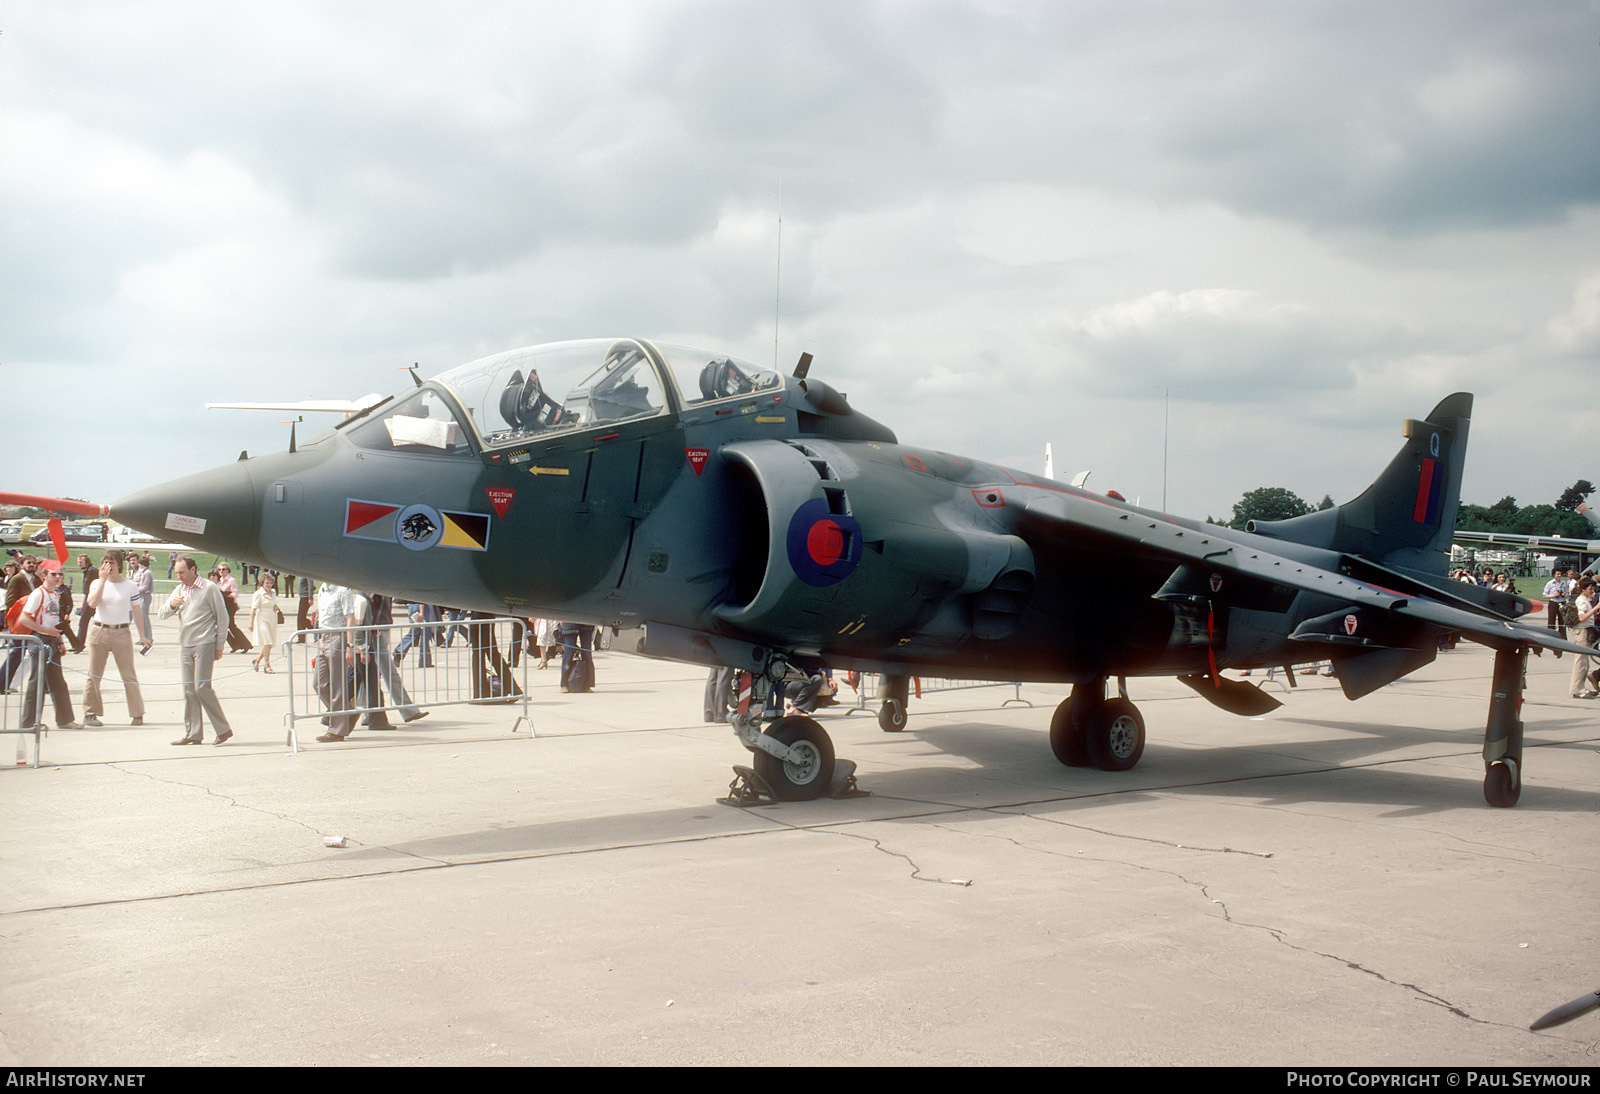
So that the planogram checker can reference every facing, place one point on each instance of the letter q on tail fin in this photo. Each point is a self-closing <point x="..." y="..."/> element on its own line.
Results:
<point x="1406" y="517"/>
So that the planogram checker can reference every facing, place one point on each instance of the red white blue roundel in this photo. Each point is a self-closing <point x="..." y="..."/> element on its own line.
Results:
<point x="824" y="547"/>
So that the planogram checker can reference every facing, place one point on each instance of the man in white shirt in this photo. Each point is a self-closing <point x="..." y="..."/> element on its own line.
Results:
<point x="1555" y="595"/>
<point x="109" y="609"/>
<point x="335" y="611"/>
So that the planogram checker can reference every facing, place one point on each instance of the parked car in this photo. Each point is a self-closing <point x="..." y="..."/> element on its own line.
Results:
<point x="73" y="533"/>
<point x="19" y="529"/>
<point x="123" y="534"/>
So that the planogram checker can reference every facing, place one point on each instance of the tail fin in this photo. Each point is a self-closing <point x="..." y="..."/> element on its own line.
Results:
<point x="1406" y="518"/>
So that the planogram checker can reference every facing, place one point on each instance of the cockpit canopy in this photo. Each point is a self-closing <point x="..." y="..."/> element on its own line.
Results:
<point x="543" y="391"/>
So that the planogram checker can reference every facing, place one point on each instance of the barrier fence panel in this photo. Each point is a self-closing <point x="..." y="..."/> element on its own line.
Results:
<point x="870" y="688"/>
<point x="927" y="684"/>
<point x="25" y="658"/>
<point x="476" y="669"/>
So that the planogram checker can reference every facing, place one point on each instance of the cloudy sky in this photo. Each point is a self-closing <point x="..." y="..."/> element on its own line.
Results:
<point x="1002" y="223"/>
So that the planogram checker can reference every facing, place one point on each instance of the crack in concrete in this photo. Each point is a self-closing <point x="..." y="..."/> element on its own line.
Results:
<point x="1204" y="890"/>
<point x="831" y="830"/>
<point x="212" y="793"/>
<point x="234" y="802"/>
<point x="1006" y="812"/>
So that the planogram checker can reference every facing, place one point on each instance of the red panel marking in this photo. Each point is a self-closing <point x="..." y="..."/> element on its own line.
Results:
<point x="1419" y="512"/>
<point x="359" y="514"/>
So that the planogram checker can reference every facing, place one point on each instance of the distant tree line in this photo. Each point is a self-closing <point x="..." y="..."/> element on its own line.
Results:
<point x="1559" y="519"/>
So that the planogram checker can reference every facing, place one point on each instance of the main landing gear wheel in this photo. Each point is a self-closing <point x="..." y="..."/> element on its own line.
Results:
<point x="808" y="775"/>
<point x="1115" y="735"/>
<point x="892" y="716"/>
<point x="1067" y="739"/>
<point x="1501" y="787"/>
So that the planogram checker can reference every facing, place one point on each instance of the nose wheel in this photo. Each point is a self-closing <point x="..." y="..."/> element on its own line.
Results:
<point x="807" y="772"/>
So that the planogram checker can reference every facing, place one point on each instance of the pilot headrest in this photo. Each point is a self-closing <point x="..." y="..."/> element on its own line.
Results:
<point x="509" y="398"/>
<point x="708" y="379"/>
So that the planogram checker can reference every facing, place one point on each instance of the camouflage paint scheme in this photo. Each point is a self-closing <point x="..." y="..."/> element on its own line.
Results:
<point x="762" y="516"/>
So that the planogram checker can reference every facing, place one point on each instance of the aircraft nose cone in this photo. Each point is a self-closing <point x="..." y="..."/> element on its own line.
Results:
<point x="214" y="511"/>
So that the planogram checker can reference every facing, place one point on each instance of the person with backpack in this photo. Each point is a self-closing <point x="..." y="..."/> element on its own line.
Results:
<point x="17" y="591"/>
<point x="1577" y="616"/>
<point x="41" y="615"/>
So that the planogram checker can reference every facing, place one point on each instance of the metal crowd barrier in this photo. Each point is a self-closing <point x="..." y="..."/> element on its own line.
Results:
<point x="871" y="685"/>
<point x="29" y="651"/>
<point x="475" y="671"/>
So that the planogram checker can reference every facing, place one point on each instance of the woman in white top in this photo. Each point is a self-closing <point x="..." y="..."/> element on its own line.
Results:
<point x="1583" y="608"/>
<point x="111" y="636"/>
<point x="264" y="623"/>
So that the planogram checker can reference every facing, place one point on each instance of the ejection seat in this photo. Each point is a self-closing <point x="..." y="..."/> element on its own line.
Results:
<point x="524" y="404"/>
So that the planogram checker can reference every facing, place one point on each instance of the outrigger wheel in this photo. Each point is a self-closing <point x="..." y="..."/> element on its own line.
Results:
<point x="809" y="775"/>
<point x="1502" y="736"/>
<point x="896" y="692"/>
<point x="892" y="716"/>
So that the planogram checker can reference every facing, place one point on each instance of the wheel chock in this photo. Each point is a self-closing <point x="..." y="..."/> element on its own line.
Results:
<point x="748" y="788"/>
<point x="844" y="781"/>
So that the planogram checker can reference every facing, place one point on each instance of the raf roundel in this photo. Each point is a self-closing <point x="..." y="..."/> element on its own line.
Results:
<point x="824" y="547"/>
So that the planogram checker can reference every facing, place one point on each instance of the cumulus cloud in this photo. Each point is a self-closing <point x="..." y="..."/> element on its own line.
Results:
<point x="1107" y="226"/>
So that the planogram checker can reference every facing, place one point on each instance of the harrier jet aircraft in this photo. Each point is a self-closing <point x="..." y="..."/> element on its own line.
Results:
<point x="757" y="520"/>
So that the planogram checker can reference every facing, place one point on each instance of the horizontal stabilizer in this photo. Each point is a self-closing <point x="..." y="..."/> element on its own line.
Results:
<point x="1233" y="696"/>
<point x="1461" y="594"/>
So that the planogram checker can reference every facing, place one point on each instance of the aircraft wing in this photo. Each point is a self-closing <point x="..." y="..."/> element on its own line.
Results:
<point x="330" y="406"/>
<point x="1553" y="543"/>
<point x="1389" y="607"/>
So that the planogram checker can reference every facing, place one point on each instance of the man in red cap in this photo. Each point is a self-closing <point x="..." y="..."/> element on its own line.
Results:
<point x="41" y="616"/>
<point x="18" y="588"/>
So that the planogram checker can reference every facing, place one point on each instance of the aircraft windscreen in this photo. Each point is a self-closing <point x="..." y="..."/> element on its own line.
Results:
<point x="543" y="391"/>
<point x="522" y="394"/>
<point x="705" y="377"/>
<point x="422" y="423"/>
